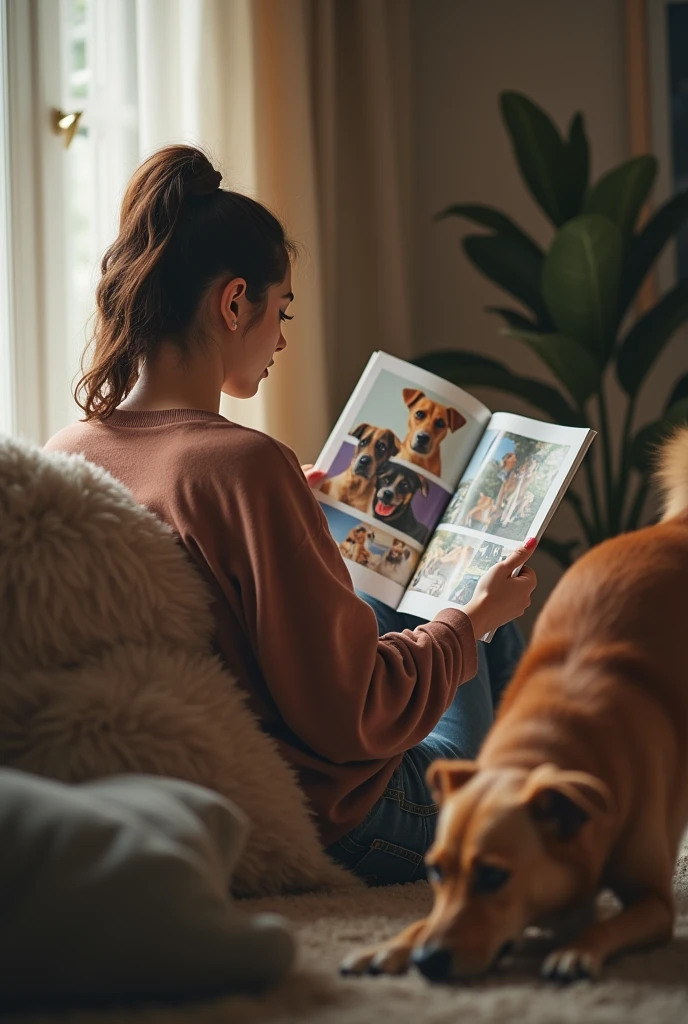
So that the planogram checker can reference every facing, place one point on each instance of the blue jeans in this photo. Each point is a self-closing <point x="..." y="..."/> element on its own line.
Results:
<point x="390" y="843"/>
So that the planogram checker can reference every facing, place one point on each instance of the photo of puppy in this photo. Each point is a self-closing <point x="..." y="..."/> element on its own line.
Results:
<point x="354" y="547"/>
<point x="428" y="425"/>
<point x="395" y="486"/>
<point x="356" y="485"/>
<point x="398" y="563"/>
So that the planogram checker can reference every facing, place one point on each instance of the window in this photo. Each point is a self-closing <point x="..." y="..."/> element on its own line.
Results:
<point x="72" y="61"/>
<point x="7" y="424"/>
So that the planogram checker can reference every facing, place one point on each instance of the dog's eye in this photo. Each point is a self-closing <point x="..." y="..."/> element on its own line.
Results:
<point x="434" y="873"/>
<point x="440" y="424"/>
<point x="420" y="415"/>
<point x="381" y="446"/>
<point x="363" y="442"/>
<point x="489" y="878"/>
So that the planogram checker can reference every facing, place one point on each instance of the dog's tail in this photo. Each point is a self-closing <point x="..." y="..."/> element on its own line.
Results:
<point x="672" y="474"/>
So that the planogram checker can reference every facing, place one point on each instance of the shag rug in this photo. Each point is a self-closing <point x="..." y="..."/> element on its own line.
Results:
<point x="644" y="988"/>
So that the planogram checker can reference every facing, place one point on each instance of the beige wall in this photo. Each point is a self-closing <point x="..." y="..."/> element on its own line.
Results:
<point x="567" y="57"/>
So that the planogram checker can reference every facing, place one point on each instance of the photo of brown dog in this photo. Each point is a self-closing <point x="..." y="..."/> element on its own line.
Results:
<point x="428" y="425"/>
<point x="356" y="485"/>
<point x="582" y="782"/>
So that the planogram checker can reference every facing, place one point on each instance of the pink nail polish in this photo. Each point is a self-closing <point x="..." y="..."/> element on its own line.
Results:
<point x="530" y="543"/>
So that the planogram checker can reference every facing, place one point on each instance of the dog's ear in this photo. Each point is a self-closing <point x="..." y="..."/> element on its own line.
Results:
<point x="394" y="444"/>
<point x="443" y="777"/>
<point x="561" y="802"/>
<point x="412" y="395"/>
<point x="455" y="419"/>
<point x="424" y="486"/>
<point x="406" y="553"/>
<point x="360" y="430"/>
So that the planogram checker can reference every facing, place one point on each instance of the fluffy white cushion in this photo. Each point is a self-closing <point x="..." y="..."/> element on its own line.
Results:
<point x="118" y="890"/>
<point x="105" y="665"/>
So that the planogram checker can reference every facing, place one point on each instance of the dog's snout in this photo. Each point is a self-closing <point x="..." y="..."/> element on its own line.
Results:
<point x="365" y="460"/>
<point x="434" y="962"/>
<point x="421" y="440"/>
<point x="387" y="496"/>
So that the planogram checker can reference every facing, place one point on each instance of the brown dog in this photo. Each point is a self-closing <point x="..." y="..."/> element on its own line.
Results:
<point x="582" y="783"/>
<point x="393" y="564"/>
<point x="356" y="485"/>
<point x="428" y="425"/>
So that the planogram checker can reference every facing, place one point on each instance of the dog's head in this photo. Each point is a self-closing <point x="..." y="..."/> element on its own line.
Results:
<point x="429" y="422"/>
<point x="398" y="552"/>
<point x="375" y="446"/>
<point x="512" y="847"/>
<point x="395" y="487"/>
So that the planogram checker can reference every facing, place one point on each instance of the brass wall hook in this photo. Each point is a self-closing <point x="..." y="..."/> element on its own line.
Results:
<point x="64" y="124"/>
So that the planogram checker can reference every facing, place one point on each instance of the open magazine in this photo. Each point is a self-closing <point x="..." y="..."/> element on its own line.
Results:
<point x="426" y="489"/>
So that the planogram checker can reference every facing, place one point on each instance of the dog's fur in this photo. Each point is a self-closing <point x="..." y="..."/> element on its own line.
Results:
<point x="394" y="489"/>
<point x="356" y="485"/>
<point x="582" y="783"/>
<point x="394" y="563"/>
<point x="428" y="425"/>
<point x="106" y="664"/>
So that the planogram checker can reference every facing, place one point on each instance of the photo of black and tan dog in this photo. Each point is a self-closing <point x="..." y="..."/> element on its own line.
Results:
<point x="581" y="784"/>
<point x="429" y="423"/>
<point x="395" y="487"/>
<point x="356" y="485"/>
<point x="355" y="545"/>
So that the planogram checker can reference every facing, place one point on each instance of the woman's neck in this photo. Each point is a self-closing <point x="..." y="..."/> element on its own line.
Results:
<point x="168" y="382"/>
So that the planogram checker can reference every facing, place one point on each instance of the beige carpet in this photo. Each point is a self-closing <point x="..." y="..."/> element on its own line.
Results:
<point x="648" y="988"/>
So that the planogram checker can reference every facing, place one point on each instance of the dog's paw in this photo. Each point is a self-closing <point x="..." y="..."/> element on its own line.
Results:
<point x="567" y="965"/>
<point x="387" y="960"/>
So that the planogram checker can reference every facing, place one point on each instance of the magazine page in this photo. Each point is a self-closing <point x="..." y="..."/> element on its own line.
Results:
<point x="393" y="461"/>
<point x="509" y="492"/>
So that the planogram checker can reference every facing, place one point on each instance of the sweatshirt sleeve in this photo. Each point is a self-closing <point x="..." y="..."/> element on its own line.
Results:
<point x="345" y="692"/>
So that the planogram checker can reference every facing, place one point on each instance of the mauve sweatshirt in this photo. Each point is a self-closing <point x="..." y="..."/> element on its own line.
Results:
<point x="342" y="703"/>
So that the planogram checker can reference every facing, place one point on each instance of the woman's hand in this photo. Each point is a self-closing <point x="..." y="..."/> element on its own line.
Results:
<point x="500" y="596"/>
<point x="313" y="476"/>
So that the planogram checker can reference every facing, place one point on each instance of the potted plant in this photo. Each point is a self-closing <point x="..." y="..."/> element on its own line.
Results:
<point x="575" y="302"/>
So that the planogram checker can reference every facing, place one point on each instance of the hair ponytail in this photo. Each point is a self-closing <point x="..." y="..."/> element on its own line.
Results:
<point x="178" y="232"/>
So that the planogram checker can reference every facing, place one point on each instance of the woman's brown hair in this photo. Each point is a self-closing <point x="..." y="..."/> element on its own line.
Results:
<point x="178" y="233"/>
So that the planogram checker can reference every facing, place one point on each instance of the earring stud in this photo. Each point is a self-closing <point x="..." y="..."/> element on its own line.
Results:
<point x="235" y="323"/>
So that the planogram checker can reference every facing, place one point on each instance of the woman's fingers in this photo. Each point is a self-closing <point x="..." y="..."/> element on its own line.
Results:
<point x="313" y="476"/>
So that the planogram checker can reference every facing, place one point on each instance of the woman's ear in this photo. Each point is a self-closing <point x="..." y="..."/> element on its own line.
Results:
<point x="230" y="302"/>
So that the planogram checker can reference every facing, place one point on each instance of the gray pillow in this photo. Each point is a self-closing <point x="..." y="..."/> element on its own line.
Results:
<point x="119" y="890"/>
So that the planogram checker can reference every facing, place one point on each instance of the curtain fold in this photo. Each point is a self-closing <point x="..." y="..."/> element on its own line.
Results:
<point x="304" y="104"/>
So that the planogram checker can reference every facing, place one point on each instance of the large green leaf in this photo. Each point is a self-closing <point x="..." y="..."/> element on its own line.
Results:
<point x="644" y="249"/>
<point x="621" y="193"/>
<point x="648" y="336"/>
<point x="539" y="151"/>
<point x="488" y="217"/>
<point x="512" y="265"/>
<point x="568" y="360"/>
<point x="648" y="440"/>
<point x="468" y="369"/>
<point x="580" y="281"/>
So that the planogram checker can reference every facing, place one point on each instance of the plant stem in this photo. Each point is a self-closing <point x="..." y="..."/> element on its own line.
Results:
<point x="625" y="467"/>
<point x="592" y="490"/>
<point x="612" y="524"/>
<point x="588" y="529"/>
<point x="637" y="507"/>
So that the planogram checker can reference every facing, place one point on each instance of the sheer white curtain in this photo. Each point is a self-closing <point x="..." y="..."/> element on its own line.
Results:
<point x="305" y="105"/>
